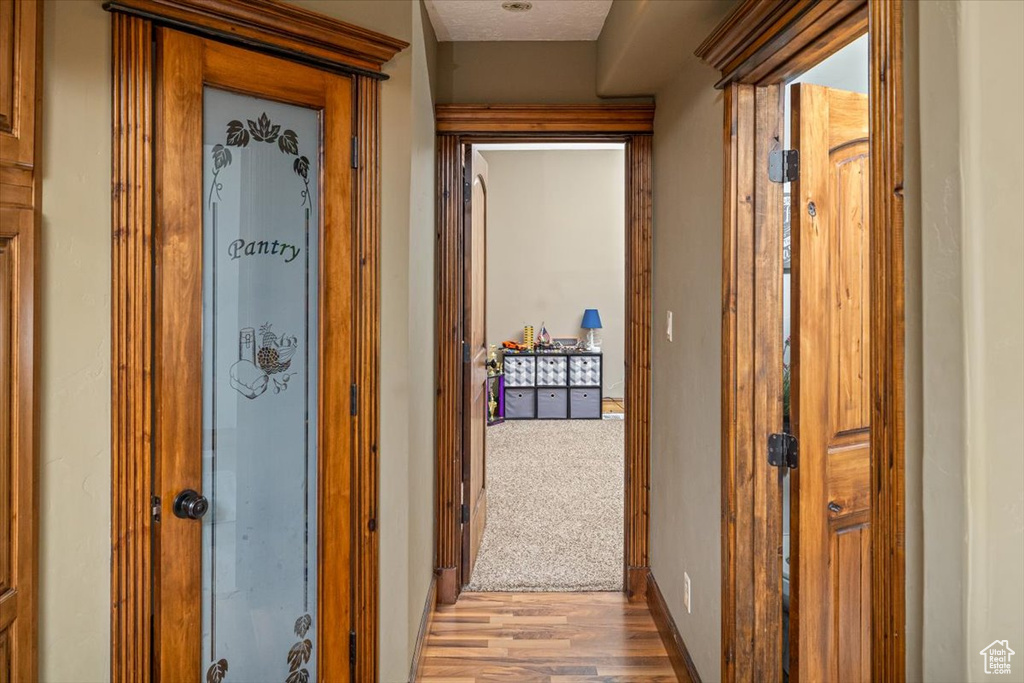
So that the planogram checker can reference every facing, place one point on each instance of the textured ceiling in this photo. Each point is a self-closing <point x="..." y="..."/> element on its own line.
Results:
<point x="456" y="20"/>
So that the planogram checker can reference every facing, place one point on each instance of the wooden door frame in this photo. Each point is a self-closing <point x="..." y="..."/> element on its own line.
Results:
<point x="281" y="30"/>
<point x="759" y="46"/>
<point x="457" y="126"/>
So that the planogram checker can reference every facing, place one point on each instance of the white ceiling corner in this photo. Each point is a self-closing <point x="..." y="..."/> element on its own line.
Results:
<point x="463" y="20"/>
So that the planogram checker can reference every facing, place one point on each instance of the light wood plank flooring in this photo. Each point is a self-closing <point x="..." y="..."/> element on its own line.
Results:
<point x="555" y="637"/>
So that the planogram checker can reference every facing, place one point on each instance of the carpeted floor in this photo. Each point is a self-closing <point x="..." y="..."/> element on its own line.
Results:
<point x="554" y="507"/>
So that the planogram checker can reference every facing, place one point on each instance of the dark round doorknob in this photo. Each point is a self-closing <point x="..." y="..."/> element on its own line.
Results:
<point x="190" y="505"/>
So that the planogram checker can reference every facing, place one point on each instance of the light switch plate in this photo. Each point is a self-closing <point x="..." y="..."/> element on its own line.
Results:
<point x="686" y="592"/>
<point x="668" y="326"/>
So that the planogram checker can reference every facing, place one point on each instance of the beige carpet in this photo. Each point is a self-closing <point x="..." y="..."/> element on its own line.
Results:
<point x="554" y="507"/>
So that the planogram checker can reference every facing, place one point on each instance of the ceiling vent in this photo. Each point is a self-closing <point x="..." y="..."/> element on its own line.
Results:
<point x="517" y="6"/>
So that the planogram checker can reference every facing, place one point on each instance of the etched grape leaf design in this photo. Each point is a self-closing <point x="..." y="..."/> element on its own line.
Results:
<point x="221" y="156"/>
<point x="301" y="167"/>
<point x="302" y="625"/>
<point x="238" y="136"/>
<point x="300" y="676"/>
<point x="289" y="142"/>
<point x="299" y="654"/>
<point x="217" y="671"/>
<point x="262" y="130"/>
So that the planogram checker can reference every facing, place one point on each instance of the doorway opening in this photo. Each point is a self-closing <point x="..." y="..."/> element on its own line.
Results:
<point x="459" y="128"/>
<point x="543" y="402"/>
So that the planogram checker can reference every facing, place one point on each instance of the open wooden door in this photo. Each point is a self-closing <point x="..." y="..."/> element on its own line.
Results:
<point x="830" y="636"/>
<point x="474" y="413"/>
<point x="253" y="367"/>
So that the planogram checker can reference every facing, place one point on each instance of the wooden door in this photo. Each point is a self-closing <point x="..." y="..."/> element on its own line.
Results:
<point x="474" y="452"/>
<point x="831" y="541"/>
<point x="20" y="75"/>
<point x="252" y="366"/>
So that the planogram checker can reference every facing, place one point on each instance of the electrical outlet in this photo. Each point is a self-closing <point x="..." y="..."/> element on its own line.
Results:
<point x="668" y="326"/>
<point x="686" y="592"/>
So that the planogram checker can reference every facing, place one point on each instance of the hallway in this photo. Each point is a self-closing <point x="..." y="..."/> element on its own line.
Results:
<point x="556" y="637"/>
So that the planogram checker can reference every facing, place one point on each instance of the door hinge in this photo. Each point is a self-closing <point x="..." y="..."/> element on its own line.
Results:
<point x="355" y="152"/>
<point x="465" y="352"/>
<point x="352" y="651"/>
<point x="465" y="513"/>
<point x="354" y="400"/>
<point x="467" y="195"/>
<point x="783" y="451"/>
<point x="784" y="165"/>
<point x="156" y="508"/>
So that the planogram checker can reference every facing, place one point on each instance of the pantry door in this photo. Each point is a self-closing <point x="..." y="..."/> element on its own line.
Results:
<point x="253" y="364"/>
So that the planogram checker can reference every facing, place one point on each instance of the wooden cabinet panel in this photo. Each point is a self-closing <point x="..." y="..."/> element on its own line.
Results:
<point x="20" y="43"/>
<point x="20" y="58"/>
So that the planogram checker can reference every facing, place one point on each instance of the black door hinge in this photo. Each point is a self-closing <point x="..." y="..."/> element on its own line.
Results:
<point x="465" y="352"/>
<point x="465" y="513"/>
<point x="156" y="508"/>
<point x="784" y="165"/>
<point x="783" y="451"/>
<point x="354" y="400"/>
<point x="355" y="152"/>
<point x="352" y="652"/>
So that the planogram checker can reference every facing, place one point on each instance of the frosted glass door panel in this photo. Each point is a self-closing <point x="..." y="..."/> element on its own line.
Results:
<point x="260" y="277"/>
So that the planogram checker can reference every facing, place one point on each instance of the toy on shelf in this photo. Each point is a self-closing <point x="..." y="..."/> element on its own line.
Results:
<point x="528" y="337"/>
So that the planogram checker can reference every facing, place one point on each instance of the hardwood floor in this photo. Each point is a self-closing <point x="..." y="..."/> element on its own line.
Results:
<point x="553" y="637"/>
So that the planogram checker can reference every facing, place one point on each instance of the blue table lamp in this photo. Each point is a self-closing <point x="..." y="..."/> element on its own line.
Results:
<point x="591" y="322"/>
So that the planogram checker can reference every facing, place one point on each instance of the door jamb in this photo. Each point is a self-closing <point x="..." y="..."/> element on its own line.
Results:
<point x="284" y="31"/>
<point x="458" y="125"/>
<point x="760" y="44"/>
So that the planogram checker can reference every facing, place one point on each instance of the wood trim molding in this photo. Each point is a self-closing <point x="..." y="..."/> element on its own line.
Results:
<point x="888" y="500"/>
<point x="275" y="27"/>
<point x="426" y="621"/>
<point x="366" y="578"/>
<point x="516" y="119"/>
<point x="639" y="255"/>
<point x="757" y="47"/>
<point x="767" y="42"/>
<point x="457" y="125"/>
<point x="751" y="387"/>
<point x="131" y="350"/>
<point x="682" y="663"/>
<point x="448" y="411"/>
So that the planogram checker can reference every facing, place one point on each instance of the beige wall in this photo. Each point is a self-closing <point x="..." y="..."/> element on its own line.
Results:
<point x="992" y="167"/>
<point x="516" y="72"/>
<point x="970" y="64"/>
<point x="556" y="245"/>
<point x="75" y="300"/>
<point x="686" y="393"/>
<point x="75" y="365"/>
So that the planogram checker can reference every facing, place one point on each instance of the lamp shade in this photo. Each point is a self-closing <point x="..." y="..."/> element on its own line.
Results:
<point x="591" y="319"/>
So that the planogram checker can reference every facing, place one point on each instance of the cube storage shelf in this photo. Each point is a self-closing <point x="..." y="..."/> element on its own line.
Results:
<point x="553" y="386"/>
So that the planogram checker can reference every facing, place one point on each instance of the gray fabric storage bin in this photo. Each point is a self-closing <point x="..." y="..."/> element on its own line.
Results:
<point x="585" y="403"/>
<point x="552" y="371"/>
<point x="520" y="404"/>
<point x="552" y="404"/>
<point x="519" y="370"/>
<point x="585" y="371"/>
